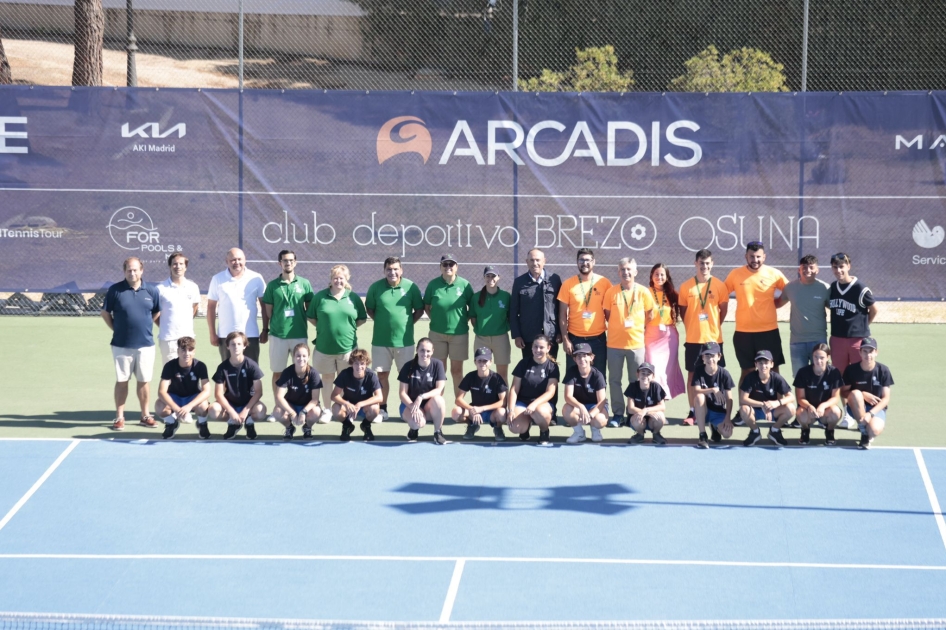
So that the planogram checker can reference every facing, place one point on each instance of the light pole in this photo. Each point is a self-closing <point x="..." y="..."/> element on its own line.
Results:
<point x="131" y="77"/>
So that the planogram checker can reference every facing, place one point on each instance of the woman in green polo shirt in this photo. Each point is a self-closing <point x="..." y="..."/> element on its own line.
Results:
<point x="489" y="312"/>
<point x="447" y="301"/>
<point x="336" y="313"/>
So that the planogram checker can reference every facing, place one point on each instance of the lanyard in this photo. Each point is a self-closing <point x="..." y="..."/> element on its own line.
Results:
<point x="628" y="309"/>
<point x="705" y="294"/>
<point x="586" y="297"/>
<point x="663" y="301"/>
<point x="287" y="292"/>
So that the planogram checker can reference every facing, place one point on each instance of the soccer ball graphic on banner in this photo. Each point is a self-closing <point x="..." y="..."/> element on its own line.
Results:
<point x="925" y="237"/>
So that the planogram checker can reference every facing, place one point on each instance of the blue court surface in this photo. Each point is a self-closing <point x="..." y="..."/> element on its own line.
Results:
<point x="397" y="532"/>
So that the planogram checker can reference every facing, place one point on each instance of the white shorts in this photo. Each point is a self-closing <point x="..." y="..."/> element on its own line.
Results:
<point x="280" y="352"/>
<point x="168" y="348"/>
<point x="329" y="363"/>
<point x="137" y="361"/>
<point x="382" y="357"/>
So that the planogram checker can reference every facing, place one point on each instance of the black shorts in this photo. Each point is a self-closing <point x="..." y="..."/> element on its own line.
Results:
<point x="748" y="344"/>
<point x="692" y="356"/>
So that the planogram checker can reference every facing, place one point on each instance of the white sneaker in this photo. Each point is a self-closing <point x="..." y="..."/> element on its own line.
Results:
<point x="578" y="436"/>
<point x="189" y="419"/>
<point x="326" y="416"/>
<point x="848" y="423"/>
<point x="270" y="418"/>
<point x="596" y="434"/>
<point x="382" y="417"/>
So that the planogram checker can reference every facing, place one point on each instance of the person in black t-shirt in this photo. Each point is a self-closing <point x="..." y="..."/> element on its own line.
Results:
<point x="712" y="395"/>
<point x="867" y="393"/>
<point x="535" y="382"/>
<point x="357" y="394"/>
<point x="586" y="395"/>
<point x="646" y="405"/>
<point x="184" y="388"/>
<point x="487" y="398"/>
<point x="238" y="389"/>
<point x="422" y="381"/>
<point x="765" y="395"/>
<point x="818" y="392"/>
<point x="297" y="394"/>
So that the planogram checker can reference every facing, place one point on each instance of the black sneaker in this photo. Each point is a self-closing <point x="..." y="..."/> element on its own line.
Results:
<point x="170" y="429"/>
<point x="864" y="444"/>
<point x="440" y="439"/>
<point x="250" y="431"/>
<point x="615" y="421"/>
<point x="203" y="431"/>
<point x="347" y="428"/>
<point x="776" y="437"/>
<point x="738" y="421"/>
<point x="289" y="432"/>
<point x="412" y="435"/>
<point x="659" y="439"/>
<point x="753" y="439"/>
<point x="805" y="438"/>
<point x="637" y="438"/>
<point x="524" y="436"/>
<point x="794" y="424"/>
<point x="232" y="430"/>
<point x="307" y="432"/>
<point x="717" y="437"/>
<point x="366" y="429"/>
<point x="702" y="443"/>
<point x="545" y="438"/>
<point x="498" y="434"/>
<point x="829" y="437"/>
<point x="471" y="430"/>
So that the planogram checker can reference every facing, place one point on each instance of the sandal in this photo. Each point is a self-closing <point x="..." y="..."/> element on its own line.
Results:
<point x="147" y="421"/>
<point x="118" y="424"/>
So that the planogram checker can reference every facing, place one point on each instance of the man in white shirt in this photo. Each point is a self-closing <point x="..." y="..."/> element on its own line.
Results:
<point x="179" y="300"/>
<point x="233" y="298"/>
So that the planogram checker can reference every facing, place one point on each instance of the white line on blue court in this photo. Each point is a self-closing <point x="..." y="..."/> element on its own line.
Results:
<point x="452" y="590"/>
<point x="39" y="482"/>
<point x="455" y="559"/>
<point x="931" y="493"/>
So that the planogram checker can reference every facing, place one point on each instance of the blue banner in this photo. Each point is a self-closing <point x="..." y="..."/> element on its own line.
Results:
<point x="90" y="176"/>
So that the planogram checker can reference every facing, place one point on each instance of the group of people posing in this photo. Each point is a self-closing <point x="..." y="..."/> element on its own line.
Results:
<point x="621" y="346"/>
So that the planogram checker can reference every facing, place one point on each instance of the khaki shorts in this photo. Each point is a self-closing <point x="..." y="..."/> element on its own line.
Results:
<point x="137" y="361"/>
<point x="382" y="357"/>
<point x="330" y="363"/>
<point x="280" y="352"/>
<point x="499" y="344"/>
<point x="168" y="348"/>
<point x="456" y="347"/>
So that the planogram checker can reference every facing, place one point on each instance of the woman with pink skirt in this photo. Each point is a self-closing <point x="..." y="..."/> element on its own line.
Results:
<point x="661" y="339"/>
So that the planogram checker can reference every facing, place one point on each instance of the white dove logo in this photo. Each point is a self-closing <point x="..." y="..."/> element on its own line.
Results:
<point x="925" y="237"/>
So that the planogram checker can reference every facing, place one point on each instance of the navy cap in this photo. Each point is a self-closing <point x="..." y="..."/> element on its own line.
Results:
<point x="448" y="258"/>
<point x="763" y="354"/>
<point x="490" y="269"/>
<point x="869" y="342"/>
<point x="483" y="352"/>
<point x="582" y="348"/>
<point x="711" y="348"/>
<point x="646" y="367"/>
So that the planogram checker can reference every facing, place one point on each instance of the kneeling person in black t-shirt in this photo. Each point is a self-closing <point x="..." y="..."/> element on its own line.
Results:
<point x="297" y="394"/>
<point x="184" y="388"/>
<point x="534" y="386"/>
<point x="487" y="398"/>
<point x="237" y="390"/>
<point x="867" y="393"/>
<point x="586" y="396"/>
<point x="422" y="380"/>
<point x="765" y="395"/>
<point x="645" y="405"/>
<point x="357" y="394"/>
<point x="818" y="392"/>
<point x="712" y="395"/>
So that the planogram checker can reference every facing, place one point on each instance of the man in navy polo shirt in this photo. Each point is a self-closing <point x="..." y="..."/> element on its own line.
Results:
<point x="130" y="310"/>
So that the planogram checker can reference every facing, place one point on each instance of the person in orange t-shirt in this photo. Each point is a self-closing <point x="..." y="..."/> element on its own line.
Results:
<point x="628" y="307"/>
<point x="581" y="311"/>
<point x="756" y="322"/>
<point x="703" y="302"/>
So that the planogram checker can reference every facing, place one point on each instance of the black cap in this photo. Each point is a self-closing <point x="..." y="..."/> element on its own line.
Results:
<point x="490" y="269"/>
<point x="582" y="348"/>
<point x="869" y="342"/>
<point x="483" y="352"/>
<point x="648" y="367"/>
<point x="711" y="348"/>
<point x="448" y="258"/>
<point x="763" y="354"/>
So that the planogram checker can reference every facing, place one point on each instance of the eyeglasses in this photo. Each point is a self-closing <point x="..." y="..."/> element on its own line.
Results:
<point x="586" y="260"/>
<point x="287" y="260"/>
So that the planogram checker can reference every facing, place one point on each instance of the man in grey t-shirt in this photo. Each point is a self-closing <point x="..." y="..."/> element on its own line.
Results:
<point x="808" y="323"/>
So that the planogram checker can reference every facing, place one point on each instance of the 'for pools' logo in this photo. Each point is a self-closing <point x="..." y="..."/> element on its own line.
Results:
<point x="132" y="228"/>
<point x="404" y="134"/>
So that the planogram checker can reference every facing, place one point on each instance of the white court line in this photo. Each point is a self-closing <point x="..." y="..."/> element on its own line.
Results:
<point x="276" y="193"/>
<point x="452" y="591"/>
<point x="39" y="482"/>
<point x="931" y="493"/>
<point x="455" y="559"/>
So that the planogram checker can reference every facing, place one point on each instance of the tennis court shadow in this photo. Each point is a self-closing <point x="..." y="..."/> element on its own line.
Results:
<point x="589" y="499"/>
<point x="59" y="419"/>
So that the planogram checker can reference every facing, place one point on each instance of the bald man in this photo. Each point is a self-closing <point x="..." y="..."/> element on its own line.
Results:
<point x="233" y="305"/>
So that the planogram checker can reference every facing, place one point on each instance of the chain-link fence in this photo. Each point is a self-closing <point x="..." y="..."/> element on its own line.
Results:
<point x="478" y="44"/>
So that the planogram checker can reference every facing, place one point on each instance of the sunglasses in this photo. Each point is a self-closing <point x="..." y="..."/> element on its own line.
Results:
<point x="448" y="264"/>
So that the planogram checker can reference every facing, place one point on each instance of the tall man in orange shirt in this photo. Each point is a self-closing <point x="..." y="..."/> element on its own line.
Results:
<point x="703" y="305"/>
<point x="756" y="322"/>
<point x="581" y="311"/>
<point x="628" y="307"/>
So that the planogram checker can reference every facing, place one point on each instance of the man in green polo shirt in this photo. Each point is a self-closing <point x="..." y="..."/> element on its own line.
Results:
<point x="447" y="302"/>
<point x="395" y="304"/>
<point x="285" y="301"/>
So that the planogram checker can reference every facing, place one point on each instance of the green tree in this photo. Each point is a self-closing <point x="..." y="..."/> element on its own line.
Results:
<point x="596" y="70"/>
<point x="743" y="70"/>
